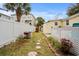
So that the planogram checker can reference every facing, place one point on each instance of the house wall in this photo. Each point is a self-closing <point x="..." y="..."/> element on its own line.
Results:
<point x="64" y="23"/>
<point x="74" y="20"/>
<point x="25" y="17"/>
<point x="47" y="27"/>
<point x="71" y="21"/>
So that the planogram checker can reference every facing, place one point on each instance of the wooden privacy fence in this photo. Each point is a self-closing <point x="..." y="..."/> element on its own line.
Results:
<point x="10" y="30"/>
<point x="71" y="33"/>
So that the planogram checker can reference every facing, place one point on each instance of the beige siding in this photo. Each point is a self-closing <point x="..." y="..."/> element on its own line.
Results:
<point x="74" y="20"/>
<point x="61" y="23"/>
<point x="71" y="21"/>
<point x="47" y="27"/>
<point x="64" y="24"/>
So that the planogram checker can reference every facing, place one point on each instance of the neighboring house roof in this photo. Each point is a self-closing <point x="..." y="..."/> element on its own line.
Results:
<point x="29" y="14"/>
<point x="73" y="16"/>
<point x="33" y="16"/>
<point x="4" y="14"/>
<point x="13" y="14"/>
<point x="55" y="20"/>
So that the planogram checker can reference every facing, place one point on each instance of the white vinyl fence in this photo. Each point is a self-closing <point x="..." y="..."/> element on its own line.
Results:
<point x="71" y="33"/>
<point x="10" y="30"/>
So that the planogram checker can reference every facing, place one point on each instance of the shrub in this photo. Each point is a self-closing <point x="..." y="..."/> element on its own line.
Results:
<point x="20" y="37"/>
<point x="66" y="45"/>
<point x="54" y="43"/>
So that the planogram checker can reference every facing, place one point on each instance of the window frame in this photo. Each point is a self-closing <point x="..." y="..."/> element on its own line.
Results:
<point x="56" y="23"/>
<point x="67" y="22"/>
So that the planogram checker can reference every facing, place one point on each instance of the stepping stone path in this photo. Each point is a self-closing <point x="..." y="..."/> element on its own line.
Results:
<point x="38" y="45"/>
<point x="32" y="53"/>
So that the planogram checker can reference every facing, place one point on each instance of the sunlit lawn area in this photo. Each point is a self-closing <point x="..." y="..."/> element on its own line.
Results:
<point x="22" y="48"/>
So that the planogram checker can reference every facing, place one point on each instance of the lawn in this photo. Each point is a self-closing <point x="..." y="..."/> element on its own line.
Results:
<point x="23" y="47"/>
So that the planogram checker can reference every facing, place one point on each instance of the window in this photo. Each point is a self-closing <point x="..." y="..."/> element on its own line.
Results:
<point x="60" y="26"/>
<point x="52" y="27"/>
<point x="67" y="22"/>
<point x="48" y="33"/>
<point x="30" y="23"/>
<point x="56" y="23"/>
<point x="27" y="21"/>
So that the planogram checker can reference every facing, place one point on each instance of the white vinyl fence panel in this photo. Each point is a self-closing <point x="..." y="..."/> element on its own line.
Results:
<point x="56" y="33"/>
<point x="71" y="33"/>
<point x="9" y="31"/>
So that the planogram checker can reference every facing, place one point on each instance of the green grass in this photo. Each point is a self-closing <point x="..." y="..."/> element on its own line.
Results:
<point x="23" y="47"/>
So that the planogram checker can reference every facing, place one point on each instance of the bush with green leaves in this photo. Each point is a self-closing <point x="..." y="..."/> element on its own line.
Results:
<point x="25" y="36"/>
<point x="20" y="37"/>
<point x="54" y="43"/>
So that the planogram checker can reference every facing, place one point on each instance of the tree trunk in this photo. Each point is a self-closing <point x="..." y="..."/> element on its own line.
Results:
<point x="37" y="29"/>
<point x="18" y="15"/>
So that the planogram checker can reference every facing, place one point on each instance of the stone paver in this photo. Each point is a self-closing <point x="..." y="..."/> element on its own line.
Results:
<point x="38" y="47"/>
<point x="38" y="43"/>
<point x="32" y="53"/>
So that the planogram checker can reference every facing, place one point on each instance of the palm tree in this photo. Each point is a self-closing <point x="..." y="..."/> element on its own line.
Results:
<point x="40" y="22"/>
<point x="19" y="8"/>
<point x="73" y="9"/>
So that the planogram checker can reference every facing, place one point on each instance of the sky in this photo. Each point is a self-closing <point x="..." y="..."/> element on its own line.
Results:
<point x="49" y="11"/>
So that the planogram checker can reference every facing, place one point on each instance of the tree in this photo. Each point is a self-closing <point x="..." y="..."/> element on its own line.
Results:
<point x="19" y="8"/>
<point x="40" y="22"/>
<point x="0" y="15"/>
<point x="73" y="9"/>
